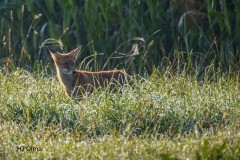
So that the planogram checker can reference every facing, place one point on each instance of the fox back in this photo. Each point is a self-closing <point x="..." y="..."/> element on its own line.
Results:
<point x="77" y="82"/>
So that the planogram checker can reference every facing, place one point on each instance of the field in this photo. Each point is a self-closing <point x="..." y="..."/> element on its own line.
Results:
<point x="162" y="116"/>
<point x="184" y="57"/>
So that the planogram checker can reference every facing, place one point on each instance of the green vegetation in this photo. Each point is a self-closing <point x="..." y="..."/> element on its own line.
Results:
<point x="167" y="116"/>
<point x="189" y="107"/>
<point x="163" y="28"/>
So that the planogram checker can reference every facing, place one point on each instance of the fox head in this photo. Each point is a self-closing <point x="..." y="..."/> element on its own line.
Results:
<point x="65" y="63"/>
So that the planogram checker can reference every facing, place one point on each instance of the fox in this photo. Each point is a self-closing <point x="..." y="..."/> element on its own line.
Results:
<point x="75" y="83"/>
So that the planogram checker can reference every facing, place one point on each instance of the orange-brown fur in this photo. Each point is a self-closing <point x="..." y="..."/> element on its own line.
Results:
<point x="77" y="82"/>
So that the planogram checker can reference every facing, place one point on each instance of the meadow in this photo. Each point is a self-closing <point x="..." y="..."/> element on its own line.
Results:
<point x="162" y="116"/>
<point x="184" y="58"/>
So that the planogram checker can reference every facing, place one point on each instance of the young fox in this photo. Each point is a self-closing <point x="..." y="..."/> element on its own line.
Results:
<point x="77" y="82"/>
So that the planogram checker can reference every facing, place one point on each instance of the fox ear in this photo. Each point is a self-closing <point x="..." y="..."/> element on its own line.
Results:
<point x="54" y="53"/>
<point x="75" y="52"/>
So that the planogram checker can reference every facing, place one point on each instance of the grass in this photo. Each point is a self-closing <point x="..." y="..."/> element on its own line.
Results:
<point x="168" y="115"/>
<point x="206" y="32"/>
<point x="163" y="116"/>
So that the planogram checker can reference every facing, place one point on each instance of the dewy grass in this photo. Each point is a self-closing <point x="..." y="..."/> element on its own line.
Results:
<point x="159" y="117"/>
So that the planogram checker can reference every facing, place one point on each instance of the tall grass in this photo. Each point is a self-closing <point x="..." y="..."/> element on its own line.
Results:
<point x="163" y="116"/>
<point x="208" y="35"/>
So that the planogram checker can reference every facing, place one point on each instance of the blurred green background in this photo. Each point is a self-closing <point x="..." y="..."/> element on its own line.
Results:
<point x="138" y="35"/>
